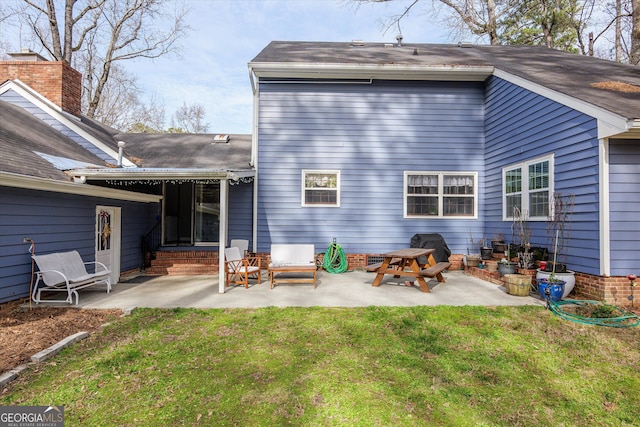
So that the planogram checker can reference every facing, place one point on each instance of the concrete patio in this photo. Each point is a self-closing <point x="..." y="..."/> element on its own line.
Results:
<point x="349" y="289"/>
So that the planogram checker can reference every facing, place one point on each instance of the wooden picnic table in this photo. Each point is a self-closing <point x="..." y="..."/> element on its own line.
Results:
<point x="404" y="262"/>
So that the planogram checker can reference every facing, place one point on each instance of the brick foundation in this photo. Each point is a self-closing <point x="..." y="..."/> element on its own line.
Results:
<point x="612" y="290"/>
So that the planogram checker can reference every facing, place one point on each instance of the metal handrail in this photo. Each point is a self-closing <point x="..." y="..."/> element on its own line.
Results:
<point x="149" y="244"/>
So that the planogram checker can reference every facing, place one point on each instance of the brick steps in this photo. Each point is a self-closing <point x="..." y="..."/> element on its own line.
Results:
<point x="183" y="263"/>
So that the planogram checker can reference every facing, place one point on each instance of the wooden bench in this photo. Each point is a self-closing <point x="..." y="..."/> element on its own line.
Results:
<point x="292" y="259"/>
<point x="66" y="272"/>
<point x="372" y="268"/>
<point x="436" y="270"/>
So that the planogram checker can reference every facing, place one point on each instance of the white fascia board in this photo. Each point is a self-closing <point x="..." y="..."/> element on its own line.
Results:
<point x="609" y="124"/>
<point x="32" y="183"/>
<point x="159" y="174"/>
<point x="370" y="71"/>
<point x="58" y="114"/>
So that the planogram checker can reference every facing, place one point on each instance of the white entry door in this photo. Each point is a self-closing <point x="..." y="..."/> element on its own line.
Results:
<point x="108" y="239"/>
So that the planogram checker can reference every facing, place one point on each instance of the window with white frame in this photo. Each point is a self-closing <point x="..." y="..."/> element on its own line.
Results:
<point x="320" y="188"/>
<point x="440" y="194"/>
<point x="527" y="187"/>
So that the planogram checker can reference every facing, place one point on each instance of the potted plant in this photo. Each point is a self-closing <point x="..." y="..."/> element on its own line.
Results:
<point x="551" y="288"/>
<point x="472" y="258"/>
<point x="521" y="233"/>
<point x="506" y="267"/>
<point x="491" y="265"/>
<point x="558" y="233"/>
<point x="498" y="244"/>
<point x="486" y="251"/>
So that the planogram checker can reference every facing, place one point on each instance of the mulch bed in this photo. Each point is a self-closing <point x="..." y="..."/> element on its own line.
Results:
<point x="25" y="332"/>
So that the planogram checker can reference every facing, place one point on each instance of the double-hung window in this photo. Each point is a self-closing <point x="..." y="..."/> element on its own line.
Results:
<point x="527" y="187"/>
<point x="320" y="188"/>
<point x="440" y="194"/>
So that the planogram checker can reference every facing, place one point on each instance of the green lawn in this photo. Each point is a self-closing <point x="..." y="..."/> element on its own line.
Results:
<point x="388" y="366"/>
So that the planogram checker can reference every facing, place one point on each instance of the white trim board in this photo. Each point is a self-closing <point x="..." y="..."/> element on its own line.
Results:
<point x="31" y="183"/>
<point x="609" y="124"/>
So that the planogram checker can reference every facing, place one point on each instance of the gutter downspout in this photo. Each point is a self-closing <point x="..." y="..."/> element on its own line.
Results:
<point x="224" y="206"/>
<point x="605" y="219"/>
<point x="254" y="158"/>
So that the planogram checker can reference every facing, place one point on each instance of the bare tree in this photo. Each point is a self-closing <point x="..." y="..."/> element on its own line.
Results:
<point x="189" y="119"/>
<point x="121" y="106"/>
<point x="104" y="32"/>
<point x="6" y="15"/>
<point x="634" y="54"/>
<point x="478" y="17"/>
<point x="147" y="117"/>
<point x="573" y="25"/>
<point x="618" y="34"/>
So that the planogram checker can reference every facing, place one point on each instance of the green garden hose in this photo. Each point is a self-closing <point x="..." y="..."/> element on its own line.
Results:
<point x="614" y="317"/>
<point x="335" y="260"/>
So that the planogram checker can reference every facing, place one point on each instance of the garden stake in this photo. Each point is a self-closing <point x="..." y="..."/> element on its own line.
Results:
<point x="632" y="284"/>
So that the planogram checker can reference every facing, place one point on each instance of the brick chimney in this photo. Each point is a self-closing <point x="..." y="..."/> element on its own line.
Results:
<point x="55" y="80"/>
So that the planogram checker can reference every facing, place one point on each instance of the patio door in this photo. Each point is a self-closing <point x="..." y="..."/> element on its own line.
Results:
<point x="108" y="239"/>
<point x="191" y="214"/>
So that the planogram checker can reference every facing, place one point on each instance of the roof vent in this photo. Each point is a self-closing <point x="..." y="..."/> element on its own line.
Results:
<point x="221" y="138"/>
<point x="399" y="39"/>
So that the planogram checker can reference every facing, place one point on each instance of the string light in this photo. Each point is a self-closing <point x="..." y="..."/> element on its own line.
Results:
<point x="126" y="182"/>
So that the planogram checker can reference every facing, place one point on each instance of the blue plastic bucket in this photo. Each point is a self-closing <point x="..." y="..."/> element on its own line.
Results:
<point x="556" y="289"/>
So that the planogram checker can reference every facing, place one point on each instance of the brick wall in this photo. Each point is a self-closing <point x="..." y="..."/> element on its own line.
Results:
<point x="56" y="81"/>
<point x="614" y="290"/>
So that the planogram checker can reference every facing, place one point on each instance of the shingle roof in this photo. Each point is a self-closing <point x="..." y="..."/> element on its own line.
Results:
<point x="29" y="146"/>
<point x="566" y="73"/>
<point x="22" y="136"/>
<point x="188" y="151"/>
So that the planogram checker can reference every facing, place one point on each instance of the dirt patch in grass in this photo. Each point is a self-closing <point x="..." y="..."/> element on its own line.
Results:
<point x="24" y="332"/>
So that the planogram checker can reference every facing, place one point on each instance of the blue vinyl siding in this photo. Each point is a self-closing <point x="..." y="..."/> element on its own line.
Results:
<point x="59" y="222"/>
<point x="521" y="125"/>
<point x="371" y="134"/>
<point x="624" y="201"/>
<point x="240" y="212"/>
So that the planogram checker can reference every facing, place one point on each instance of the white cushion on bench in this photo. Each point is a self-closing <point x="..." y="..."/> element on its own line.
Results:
<point x="283" y="255"/>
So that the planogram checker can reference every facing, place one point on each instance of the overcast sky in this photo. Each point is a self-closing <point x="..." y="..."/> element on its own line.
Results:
<point x="227" y="34"/>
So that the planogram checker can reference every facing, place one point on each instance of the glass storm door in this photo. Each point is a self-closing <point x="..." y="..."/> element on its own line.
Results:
<point x="207" y="213"/>
<point x="108" y="240"/>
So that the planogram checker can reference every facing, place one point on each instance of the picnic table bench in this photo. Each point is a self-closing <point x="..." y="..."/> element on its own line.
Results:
<point x="374" y="267"/>
<point x="409" y="266"/>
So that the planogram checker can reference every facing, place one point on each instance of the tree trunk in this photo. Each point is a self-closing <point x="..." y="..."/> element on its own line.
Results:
<point x="492" y="23"/>
<point x="634" y="55"/>
<point x="618" y="36"/>
<point x="56" y="45"/>
<point x="68" y="30"/>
